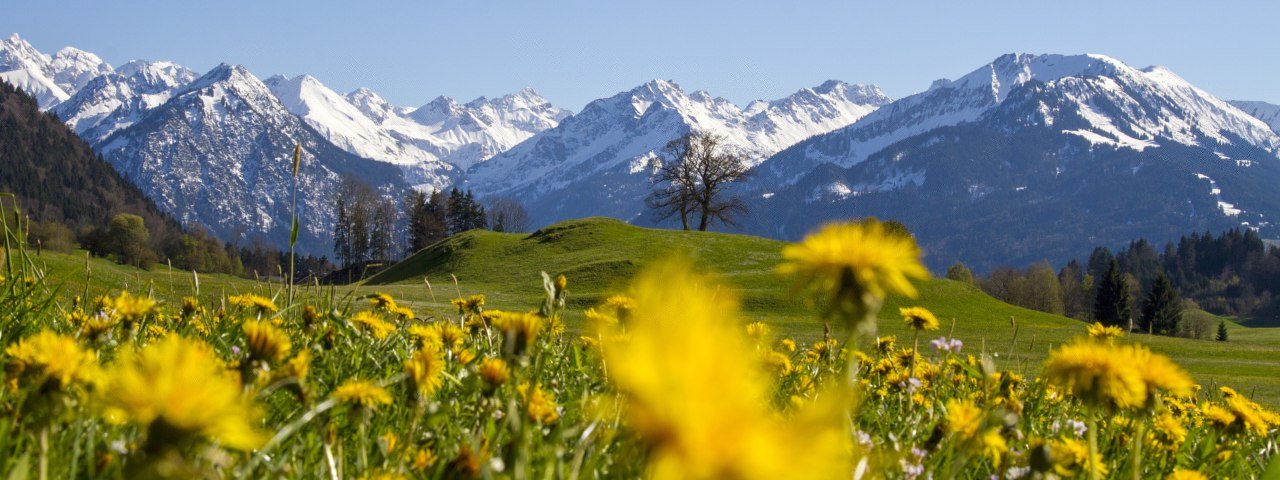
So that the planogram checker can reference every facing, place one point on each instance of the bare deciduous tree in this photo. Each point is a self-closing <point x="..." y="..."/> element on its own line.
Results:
<point x="507" y="215"/>
<point x="692" y="179"/>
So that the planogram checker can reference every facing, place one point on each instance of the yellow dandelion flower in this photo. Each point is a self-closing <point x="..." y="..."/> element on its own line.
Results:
<point x="132" y="309"/>
<point x="250" y="301"/>
<point x="699" y="398"/>
<point x="599" y="319"/>
<point x="963" y="418"/>
<point x="494" y="371"/>
<point x="1069" y="457"/>
<point x="470" y="304"/>
<point x="404" y="313"/>
<point x="1184" y="474"/>
<point x="539" y="405"/>
<point x="919" y="318"/>
<point x="183" y="385"/>
<point x="381" y="300"/>
<point x="1105" y="333"/>
<point x="620" y="303"/>
<point x="758" y="331"/>
<point x="96" y="326"/>
<point x="1098" y="374"/>
<point x="464" y="355"/>
<point x="1168" y="432"/>
<point x="1160" y="373"/>
<point x="427" y="336"/>
<point x="777" y="362"/>
<point x="886" y="344"/>
<point x="425" y="371"/>
<point x="299" y="365"/>
<point x="520" y="329"/>
<point x="373" y="324"/>
<point x="48" y="358"/>
<point x="992" y="445"/>
<point x="788" y="345"/>
<point x="190" y="306"/>
<point x="423" y="458"/>
<point x="362" y="394"/>
<point x="451" y="336"/>
<point x="845" y="263"/>
<point x="1217" y="416"/>
<point x="1252" y="417"/>
<point x="265" y="342"/>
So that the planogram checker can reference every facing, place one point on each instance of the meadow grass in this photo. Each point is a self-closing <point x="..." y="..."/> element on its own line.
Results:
<point x="115" y="372"/>
<point x="600" y="255"/>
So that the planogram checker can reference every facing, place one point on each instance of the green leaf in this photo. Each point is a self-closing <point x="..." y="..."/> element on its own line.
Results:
<point x="1273" y="469"/>
<point x="293" y="234"/>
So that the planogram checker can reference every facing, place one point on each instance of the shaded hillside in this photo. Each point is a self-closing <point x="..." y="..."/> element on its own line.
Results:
<point x="56" y="177"/>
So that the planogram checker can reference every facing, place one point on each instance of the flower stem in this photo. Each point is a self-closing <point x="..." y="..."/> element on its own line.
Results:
<point x="44" y="452"/>
<point x="1093" y="447"/>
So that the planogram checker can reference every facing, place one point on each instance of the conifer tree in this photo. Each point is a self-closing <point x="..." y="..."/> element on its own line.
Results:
<point x="1112" y="304"/>
<point x="1162" y="308"/>
<point x="1222" y="331"/>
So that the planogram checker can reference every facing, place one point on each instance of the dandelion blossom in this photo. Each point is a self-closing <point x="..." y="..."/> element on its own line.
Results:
<point x="1184" y="474"/>
<point x="539" y="405"/>
<point x="1105" y="333"/>
<point x="50" y="357"/>
<point x="963" y="418"/>
<point x="250" y="301"/>
<point x="919" y="318"/>
<point x="132" y="309"/>
<point x="520" y="329"/>
<point x="362" y="393"/>
<point x="853" y="266"/>
<point x="181" y="385"/>
<point x="1100" y="375"/>
<point x="699" y="398"/>
<point x="265" y="342"/>
<point x="425" y="371"/>
<point x="494" y="371"/>
<point x="470" y="304"/>
<point x="373" y="324"/>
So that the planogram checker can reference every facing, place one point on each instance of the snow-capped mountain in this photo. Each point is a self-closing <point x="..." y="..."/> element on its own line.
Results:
<point x="49" y="79"/>
<point x="219" y="153"/>
<point x="433" y="143"/>
<point x="116" y="100"/>
<point x="1031" y="157"/>
<point x="1267" y="112"/>
<point x="1123" y="106"/>
<point x="597" y="161"/>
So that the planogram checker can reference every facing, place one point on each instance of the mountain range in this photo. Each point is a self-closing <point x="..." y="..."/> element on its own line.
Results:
<point x="1028" y="157"/>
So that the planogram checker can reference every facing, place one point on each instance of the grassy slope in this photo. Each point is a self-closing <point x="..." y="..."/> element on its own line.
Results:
<point x="599" y="255"/>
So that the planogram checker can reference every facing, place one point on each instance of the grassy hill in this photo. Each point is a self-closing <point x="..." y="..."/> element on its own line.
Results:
<point x="600" y="255"/>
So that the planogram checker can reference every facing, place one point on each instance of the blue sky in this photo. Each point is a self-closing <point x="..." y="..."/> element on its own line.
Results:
<point x="576" y="51"/>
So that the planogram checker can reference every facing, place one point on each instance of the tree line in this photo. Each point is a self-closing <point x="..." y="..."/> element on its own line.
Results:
<point x="371" y="228"/>
<point x="1138" y="287"/>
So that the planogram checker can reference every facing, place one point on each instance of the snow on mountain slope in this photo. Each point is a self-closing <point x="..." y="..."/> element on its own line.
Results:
<point x="73" y="68"/>
<point x="28" y="69"/>
<point x="115" y="100"/>
<point x="433" y="143"/>
<point x="606" y="148"/>
<point x="218" y="153"/>
<point x="471" y="133"/>
<point x="1264" y="111"/>
<point x="1125" y="107"/>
